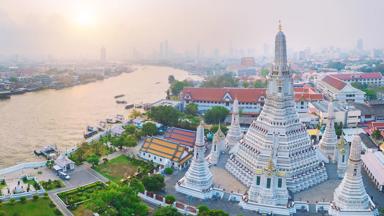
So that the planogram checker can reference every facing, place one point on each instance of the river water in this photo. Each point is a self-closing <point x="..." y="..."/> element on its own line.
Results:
<point x="59" y="117"/>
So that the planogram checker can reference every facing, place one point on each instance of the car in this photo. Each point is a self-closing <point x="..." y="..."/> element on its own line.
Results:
<point x="64" y="176"/>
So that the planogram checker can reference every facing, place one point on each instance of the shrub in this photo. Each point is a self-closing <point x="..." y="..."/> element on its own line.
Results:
<point x="170" y="199"/>
<point x="23" y="199"/>
<point x="168" y="170"/>
<point x="35" y="197"/>
<point x="12" y="201"/>
<point x="57" y="212"/>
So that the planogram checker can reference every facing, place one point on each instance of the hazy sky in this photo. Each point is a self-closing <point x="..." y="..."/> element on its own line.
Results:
<point x="79" y="28"/>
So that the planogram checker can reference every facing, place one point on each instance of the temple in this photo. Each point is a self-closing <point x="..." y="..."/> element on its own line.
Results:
<point x="217" y="147"/>
<point x="328" y="142"/>
<point x="342" y="153"/>
<point x="278" y="126"/>
<point x="234" y="134"/>
<point x="350" y="197"/>
<point x="198" y="180"/>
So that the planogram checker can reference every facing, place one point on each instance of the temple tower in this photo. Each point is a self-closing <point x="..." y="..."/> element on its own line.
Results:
<point x="328" y="142"/>
<point x="234" y="133"/>
<point x="342" y="153"/>
<point x="217" y="147"/>
<point x="198" y="179"/>
<point x="350" y="197"/>
<point x="278" y="120"/>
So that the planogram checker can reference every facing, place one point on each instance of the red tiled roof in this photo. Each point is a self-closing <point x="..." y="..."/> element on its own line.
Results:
<point x="248" y="95"/>
<point x="372" y="126"/>
<point x="181" y="136"/>
<point x="334" y="82"/>
<point x="352" y="76"/>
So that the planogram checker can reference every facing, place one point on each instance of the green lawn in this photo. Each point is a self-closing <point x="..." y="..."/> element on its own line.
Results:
<point x="122" y="167"/>
<point x="38" y="207"/>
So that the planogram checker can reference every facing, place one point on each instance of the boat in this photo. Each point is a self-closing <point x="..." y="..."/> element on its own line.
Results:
<point x="90" y="128"/>
<point x="119" y="118"/>
<point x="138" y="106"/>
<point x="129" y="106"/>
<point x="111" y="121"/>
<point x="89" y="134"/>
<point x="102" y="126"/>
<point x="119" y="96"/>
<point x="121" y="102"/>
<point x="5" y="95"/>
<point x="49" y="151"/>
<point x="19" y="91"/>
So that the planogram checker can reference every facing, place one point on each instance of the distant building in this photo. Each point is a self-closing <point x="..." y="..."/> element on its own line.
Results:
<point x="346" y="114"/>
<point x="373" y="163"/>
<point x="165" y="153"/>
<point x="251" y="100"/>
<point x="247" y="67"/>
<point x="371" y="79"/>
<point x="339" y="90"/>
<point x="371" y="111"/>
<point x="165" y="102"/>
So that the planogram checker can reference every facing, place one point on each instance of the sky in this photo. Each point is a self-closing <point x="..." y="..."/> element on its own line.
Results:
<point x="79" y="28"/>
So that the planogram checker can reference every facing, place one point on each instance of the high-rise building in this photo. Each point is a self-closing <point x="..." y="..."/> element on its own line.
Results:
<point x="278" y="127"/>
<point x="360" y="44"/>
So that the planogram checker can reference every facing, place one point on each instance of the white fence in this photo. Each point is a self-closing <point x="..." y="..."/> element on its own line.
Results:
<point x="22" y="166"/>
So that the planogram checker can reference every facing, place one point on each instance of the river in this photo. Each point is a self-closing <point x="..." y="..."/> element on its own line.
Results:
<point x="33" y="120"/>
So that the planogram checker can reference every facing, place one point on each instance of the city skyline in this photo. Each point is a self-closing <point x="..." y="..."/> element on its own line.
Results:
<point x="80" y="28"/>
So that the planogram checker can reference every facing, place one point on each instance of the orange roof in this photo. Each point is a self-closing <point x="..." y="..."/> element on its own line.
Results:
<point x="165" y="149"/>
<point x="334" y="82"/>
<point x="181" y="136"/>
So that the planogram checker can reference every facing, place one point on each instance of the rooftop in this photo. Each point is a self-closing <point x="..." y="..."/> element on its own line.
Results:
<point x="181" y="136"/>
<point x="377" y="109"/>
<point x="374" y="161"/>
<point x="165" y="149"/>
<point x="334" y="82"/>
<point x="322" y="106"/>
<point x="354" y="76"/>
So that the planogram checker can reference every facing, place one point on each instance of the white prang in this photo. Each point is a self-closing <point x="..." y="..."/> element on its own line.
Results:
<point x="198" y="180"/>
<point x="296" y="156"/>
<point x="350" y="197"/>
<point x="218" y="146"/>
<point x="328" y="142"/>
<point x="268" y="192"/>
<point x="234" y="133"/>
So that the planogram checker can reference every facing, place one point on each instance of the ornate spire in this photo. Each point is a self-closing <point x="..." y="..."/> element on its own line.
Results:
<point x="280" y="27"/>
<point x="328" y="142"/>
<point x="350" y="195"/>
<point x="234" y="133"/>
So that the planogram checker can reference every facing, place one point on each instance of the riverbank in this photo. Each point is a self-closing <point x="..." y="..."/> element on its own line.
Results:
<point x="60" y="117"/>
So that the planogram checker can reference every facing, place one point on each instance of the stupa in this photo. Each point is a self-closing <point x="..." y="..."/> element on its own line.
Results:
<point x="296" y="156"/>
<point x="234" y="133"/>
<point x="328" y="142"/>
<point x="198" y="180"/>
<point x="350" y="197"/>
<point x="217" y="147"/>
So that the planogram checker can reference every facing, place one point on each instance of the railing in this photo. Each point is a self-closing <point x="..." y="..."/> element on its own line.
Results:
<point x="159" y="200"/>
<point x="24" y="194"/>
<point x="22" y="166"/>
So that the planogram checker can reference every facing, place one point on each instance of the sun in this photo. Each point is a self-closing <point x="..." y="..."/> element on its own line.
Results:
<point x="85" y="19"/>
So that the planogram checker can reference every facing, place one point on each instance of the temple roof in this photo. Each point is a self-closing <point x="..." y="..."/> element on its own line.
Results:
<point x="334" y="82"/>
<point x="181" y="136"/>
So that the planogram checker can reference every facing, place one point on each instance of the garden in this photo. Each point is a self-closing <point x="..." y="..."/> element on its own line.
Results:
<point x="124" y="167"/>
<point x="50" y="185"/>
<point x="30" y="181"/>
<point x="34" y="207"/>
<point x="75" y="197"/>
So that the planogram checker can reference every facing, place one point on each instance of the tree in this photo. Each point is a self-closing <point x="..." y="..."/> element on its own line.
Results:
<point x="166" y="115"/>
<point x="168" y="170"/>
<point x="339" y="129"/>
<point x="167" y="211"/>
<point x="260" y="84"/>
<point x="223" y="128"/>
<point x="223" y="80"/>
<point x="336" y="65"/>
<point x="130" y="141"/>
<point x="205" y="211"/>
<point x="93" y="159"/>
<point x="245" y="84"/>
<point x="376" y="134"/>
<point x="153" y="183"/>
<point x="178" y="86"/>
<point x="171" y="79"/>
<point x="50" y="164"/>
<point x="264" y="72"/>
<point x="130" y="129"/>
<point x="149" y="128"/>
<point x="191" y="109"/>
<point x="215" y="115"/>
<point x="117" y="200"/>
<point x="137" y="185"/>
<point x="135" y="113"/>
<point x="170" y="199"/>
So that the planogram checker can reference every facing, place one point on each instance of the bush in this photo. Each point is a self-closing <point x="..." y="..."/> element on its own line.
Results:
<point x="23" y="200"/>
<point x="35" y="197"/>
<point x="168" y="170"/>
<point x="154" y="182"/>
<point x="57" y="212"/>
<point x="170" y="199"/>
<point x="12" y="201"/>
